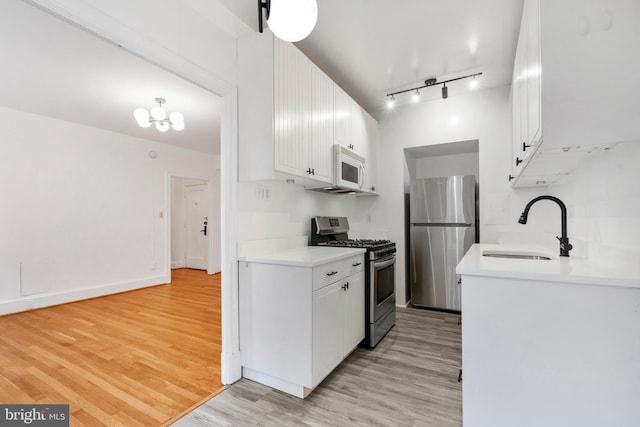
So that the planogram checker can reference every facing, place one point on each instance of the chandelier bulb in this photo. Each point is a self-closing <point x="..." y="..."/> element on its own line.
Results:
<point x="158" y="113"/>
<point x="162" y="126"/>
<point x="176" y="117"/>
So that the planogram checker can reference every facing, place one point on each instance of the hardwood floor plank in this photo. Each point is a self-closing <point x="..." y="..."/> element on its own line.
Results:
<point x="138" y="358"/>
<point x="409" y="379"/>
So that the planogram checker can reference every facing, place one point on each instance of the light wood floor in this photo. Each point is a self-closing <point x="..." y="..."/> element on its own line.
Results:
<point x="138" y="358"/>
<point x="409" y="379"/>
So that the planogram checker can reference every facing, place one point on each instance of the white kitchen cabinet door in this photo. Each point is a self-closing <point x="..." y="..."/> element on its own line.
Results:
<point x="522" y="80"/>
<point x="322" y="94"/>
<point x="328" y="315"/>
<point x="370" y="154"/>
<point x="292" y="109"/>
<point x="358" y="129"/>
<point x="342" y="117"/>
<point x="353" y="298"/>
<point x="591" y="64"/>
<point x="534" y="70"/>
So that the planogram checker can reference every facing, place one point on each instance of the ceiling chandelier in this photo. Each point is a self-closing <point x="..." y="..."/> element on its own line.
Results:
<point x="158" y="115"/>
<point x="428" y="83"/>
<point x="289" y="20"/>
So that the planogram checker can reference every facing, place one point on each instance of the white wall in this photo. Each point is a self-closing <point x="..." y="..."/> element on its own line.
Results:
<point x="483" y="115"/>
<point x="275" y="215"/>
<point x="83" y="210"/>
<point x="452" y="164"/>
<point x="603" y="203"/>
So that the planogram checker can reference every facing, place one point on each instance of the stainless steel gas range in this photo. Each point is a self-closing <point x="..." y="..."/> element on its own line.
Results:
<point x="380" y="258"/>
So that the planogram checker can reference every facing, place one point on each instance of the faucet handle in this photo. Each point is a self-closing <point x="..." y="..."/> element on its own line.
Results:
<point x="565" y="245"/>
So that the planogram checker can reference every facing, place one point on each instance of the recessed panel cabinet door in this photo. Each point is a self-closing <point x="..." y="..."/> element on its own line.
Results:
<point x="292" y="109"/>
<point x="342" y="117"/>
<point x="327" y="330"/>
<point x="321" y="125"/>
<point x="353" y="312"/>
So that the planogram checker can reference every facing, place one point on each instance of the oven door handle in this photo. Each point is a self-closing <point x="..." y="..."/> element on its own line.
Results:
<point x="384" y="264"/>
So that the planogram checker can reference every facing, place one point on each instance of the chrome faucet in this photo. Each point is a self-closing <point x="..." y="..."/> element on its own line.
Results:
<point x="565" y="246"/>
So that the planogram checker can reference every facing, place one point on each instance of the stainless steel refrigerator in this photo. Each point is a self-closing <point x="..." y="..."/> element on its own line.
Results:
<point x="442" y="227"/>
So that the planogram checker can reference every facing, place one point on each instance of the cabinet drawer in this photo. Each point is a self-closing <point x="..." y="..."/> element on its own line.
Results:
<point x="326" y="274"/>
<point x="353" y="265"/>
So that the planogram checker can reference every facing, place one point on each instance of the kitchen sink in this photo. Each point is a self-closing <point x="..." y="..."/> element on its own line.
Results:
<point x="516" y="254"/>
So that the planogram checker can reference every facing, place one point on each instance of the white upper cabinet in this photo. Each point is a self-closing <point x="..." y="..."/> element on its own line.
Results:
<point x="343" y="113"/>
<point x="292" y="110"/>
<point x="291" y="114"/>
<point x="581" y="64"/>
<point x="322" y="124"/>
<point x="370" y="153"/>
<point x="285" y="113"/>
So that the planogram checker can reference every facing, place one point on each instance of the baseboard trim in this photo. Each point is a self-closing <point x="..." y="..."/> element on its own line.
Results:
<point x="178" y="264"/>
<point x="48" y="299"/>
<point x="277" y="383"/>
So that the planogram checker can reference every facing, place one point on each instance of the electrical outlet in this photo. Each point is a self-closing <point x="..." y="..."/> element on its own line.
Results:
<point x="262" y="192"/>
<point x="154" y="265"/>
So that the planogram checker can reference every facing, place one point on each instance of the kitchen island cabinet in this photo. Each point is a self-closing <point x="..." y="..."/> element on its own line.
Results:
<point x="301" y="314"/>
<point x="549" y="343"/>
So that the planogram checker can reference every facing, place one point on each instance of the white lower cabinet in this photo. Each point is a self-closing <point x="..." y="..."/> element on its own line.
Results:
<point x="298" y="323"/>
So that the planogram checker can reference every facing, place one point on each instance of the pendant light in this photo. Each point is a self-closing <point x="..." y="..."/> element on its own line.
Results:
<point x="289" y="20"/>
<point x="158" y="116"/>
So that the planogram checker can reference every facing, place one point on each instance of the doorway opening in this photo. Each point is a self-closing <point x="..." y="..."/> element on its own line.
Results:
<point x="194" y="221"/>
<point x="441" y="220"/>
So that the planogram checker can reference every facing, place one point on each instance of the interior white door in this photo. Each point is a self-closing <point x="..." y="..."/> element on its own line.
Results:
<point x="197" y="226"/>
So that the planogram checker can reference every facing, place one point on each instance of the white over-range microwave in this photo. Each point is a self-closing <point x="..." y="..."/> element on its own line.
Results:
<point x="348" y="168"/>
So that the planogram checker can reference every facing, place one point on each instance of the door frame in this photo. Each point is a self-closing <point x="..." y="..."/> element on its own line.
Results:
<point x="91" y="19"/>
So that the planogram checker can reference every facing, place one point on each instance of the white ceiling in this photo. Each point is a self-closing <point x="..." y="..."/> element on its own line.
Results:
<point x="374" y="47"/>
<point x="369" y="47"/>
<point x="52" y="68"/>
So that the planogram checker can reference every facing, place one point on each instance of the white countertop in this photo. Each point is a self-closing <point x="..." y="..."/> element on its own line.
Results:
<point x="558" y="269"/>
<point x="305" y="256"/>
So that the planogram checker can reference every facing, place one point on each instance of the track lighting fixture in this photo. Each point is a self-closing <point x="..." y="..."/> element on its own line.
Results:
<point x="431" y="82"/>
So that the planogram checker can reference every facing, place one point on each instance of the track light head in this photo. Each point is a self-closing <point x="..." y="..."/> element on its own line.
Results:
<point x="415" y="98"/>
<point x="445" y="91"/>
<point x="391" y="102"/>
